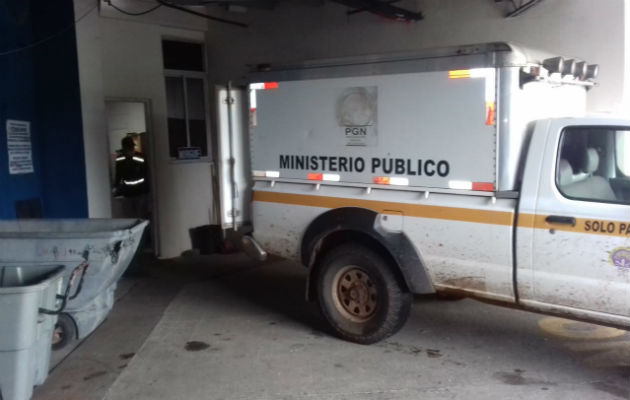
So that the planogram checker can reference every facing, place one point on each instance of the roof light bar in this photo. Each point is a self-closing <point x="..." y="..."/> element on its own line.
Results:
<point x="592" y="71"/>
<point x="580" y="69"/>
<point x="553" y="65"/>
<point x="568" y="68"/>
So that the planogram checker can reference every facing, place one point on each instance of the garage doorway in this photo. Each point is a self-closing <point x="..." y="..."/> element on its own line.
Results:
<point x="131" y="118"/>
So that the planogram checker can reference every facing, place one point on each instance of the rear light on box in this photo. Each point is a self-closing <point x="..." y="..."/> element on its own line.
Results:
<point x="316" y="176"/>
<point x="391" y="180"/>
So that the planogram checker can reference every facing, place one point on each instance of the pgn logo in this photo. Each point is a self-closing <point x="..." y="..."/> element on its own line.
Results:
<point x="356" y="131"/>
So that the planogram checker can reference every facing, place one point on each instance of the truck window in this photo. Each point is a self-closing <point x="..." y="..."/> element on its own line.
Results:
<point x="623" y="152"/>
<point x="594" y="164"/>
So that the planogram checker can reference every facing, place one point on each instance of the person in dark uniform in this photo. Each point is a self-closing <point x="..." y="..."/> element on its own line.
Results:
<point x="131" y="180"/>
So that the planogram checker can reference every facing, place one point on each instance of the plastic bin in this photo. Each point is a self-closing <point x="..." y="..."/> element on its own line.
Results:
<point x="109" y="245"/>
<point x="26" y="294"/>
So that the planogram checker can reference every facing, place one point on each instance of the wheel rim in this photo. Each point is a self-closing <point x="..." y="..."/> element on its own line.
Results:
<point x="355" y="294"/>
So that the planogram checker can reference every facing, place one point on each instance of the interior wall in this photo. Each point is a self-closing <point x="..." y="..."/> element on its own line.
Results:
<point x="590" y="30"/>
<point x="122" y="118"/>
<point x="122" y="59"/>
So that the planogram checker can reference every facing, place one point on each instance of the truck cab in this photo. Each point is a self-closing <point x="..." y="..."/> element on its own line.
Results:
<point x="572" y="229"/>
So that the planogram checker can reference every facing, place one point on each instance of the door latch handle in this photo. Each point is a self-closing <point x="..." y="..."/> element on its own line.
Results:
<point x="559" y="219"/>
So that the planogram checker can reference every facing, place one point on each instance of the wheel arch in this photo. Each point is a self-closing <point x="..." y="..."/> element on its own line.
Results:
<point x="355" y="224"/>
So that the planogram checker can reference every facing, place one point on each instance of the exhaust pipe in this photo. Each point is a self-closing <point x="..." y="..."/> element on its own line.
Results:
<point x="253" y="249"/>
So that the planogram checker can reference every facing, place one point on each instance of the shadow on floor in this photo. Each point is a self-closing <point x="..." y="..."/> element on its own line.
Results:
<point x="277" y="286"/>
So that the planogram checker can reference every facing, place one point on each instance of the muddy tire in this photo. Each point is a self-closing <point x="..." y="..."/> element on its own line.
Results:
<point x="360" y="296"/>
<point x="65" y="331"/>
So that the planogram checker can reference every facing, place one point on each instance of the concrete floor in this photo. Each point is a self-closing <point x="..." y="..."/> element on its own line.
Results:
<point x="222" y="327"/>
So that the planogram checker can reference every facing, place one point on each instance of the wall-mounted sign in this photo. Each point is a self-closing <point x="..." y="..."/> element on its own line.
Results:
<point x="188" y="153"/>
<point x="19" y="147"/>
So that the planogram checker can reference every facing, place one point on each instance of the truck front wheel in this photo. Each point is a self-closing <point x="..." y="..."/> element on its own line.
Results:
<point x="360" y="296"/>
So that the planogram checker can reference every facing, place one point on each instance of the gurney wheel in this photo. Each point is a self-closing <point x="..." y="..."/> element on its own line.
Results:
<point x="65" y="330"/>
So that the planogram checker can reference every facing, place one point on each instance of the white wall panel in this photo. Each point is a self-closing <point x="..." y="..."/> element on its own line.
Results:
<point x="121" y="57"/>
<point x="591" y="30"/>
<point x="132" y="68"/>
<point x="93" y="110"/>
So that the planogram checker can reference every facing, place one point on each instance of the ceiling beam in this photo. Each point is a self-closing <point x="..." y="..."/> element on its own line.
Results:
<point x="384" y="8"/>
<point x="520" y="8"/>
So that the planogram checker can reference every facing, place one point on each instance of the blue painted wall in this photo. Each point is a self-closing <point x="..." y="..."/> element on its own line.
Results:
<point x="58" y="111"/>
<point x="40" y="84"/>
<point x="16" y="102"/>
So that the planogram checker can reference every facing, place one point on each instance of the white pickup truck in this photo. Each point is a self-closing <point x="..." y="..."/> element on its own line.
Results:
<point x="468" y="170"/>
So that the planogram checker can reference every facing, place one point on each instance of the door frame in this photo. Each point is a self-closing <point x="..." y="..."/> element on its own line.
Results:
<point x="155" y="222"/>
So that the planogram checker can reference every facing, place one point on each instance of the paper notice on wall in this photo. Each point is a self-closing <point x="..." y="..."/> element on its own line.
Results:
<point x="19" y="147"/>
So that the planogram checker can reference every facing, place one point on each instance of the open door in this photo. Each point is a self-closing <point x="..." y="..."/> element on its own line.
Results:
<point x="234" y="171"/>
<point x="130" y="118"/>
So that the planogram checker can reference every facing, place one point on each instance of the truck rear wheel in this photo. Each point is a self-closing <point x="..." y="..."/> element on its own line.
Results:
<point x="360" y="296"/>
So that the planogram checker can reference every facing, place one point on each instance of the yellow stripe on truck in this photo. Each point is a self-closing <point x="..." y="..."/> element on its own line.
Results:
<point x="385" y="207"/>
<point x="583" y="225"/>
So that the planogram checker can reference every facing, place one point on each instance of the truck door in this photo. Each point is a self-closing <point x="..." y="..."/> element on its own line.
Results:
<point x="580" y="254"/>
<point x="233" y="157"/>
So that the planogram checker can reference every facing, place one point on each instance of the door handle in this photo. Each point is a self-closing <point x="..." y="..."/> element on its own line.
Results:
<point x="559" y="219"/>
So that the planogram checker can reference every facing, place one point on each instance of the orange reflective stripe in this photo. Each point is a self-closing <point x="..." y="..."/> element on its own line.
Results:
<point x="384" y="207"/>
<point x="490" y="113"/>
<point x="505" y="218"/>
<point x="315" y="176"/>
<point x="590" y="226"/>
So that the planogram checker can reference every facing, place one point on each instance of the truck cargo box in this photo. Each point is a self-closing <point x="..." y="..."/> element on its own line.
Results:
<point x="447" y="118"/>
